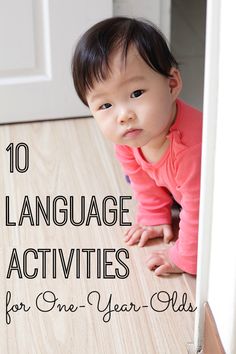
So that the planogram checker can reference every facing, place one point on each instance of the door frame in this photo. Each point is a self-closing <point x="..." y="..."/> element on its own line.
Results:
<point x="218" y="145"/>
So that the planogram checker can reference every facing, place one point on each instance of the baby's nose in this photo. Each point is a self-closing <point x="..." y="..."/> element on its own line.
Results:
<point x="126" y="116"/>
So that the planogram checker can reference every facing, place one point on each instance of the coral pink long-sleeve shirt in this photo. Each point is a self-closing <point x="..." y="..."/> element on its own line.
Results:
<point x="176" y="174"/>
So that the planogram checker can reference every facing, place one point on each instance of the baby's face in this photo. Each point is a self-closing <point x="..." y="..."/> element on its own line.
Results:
<point x="135" y="104"/>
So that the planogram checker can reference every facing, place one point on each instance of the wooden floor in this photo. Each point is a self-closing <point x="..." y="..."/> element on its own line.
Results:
<point x="70" y="158"/>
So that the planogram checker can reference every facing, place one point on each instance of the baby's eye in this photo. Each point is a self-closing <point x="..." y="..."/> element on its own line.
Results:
<point x="136" y="93"/>
<point x="105" y="106"/>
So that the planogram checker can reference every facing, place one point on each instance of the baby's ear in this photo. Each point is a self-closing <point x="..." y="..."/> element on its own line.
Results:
<point x="175" y="82"/>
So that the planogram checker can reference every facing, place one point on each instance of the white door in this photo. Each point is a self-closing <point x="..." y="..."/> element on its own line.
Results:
<point x="37" y="38"/>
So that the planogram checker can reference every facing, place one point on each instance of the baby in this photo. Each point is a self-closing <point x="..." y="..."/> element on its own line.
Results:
<point x="124" y="72"/>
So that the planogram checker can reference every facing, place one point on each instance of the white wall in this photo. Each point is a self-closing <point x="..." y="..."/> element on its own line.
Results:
<point x="157" y="11"/>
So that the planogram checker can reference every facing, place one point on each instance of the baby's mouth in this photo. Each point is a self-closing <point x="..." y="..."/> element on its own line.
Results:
<point x="133" y="132"/>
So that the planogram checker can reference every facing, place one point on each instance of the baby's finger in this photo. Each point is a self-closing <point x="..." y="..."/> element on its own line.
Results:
<point x="132" y="229"/>
<point x="127" y="238"/>
<point x="135" y="237"/>
<point x="163" y="269"/>
<point x="149" y="234"/>
<point x="128" y="230"/>
<point x="154" y="262"/>
<point x="144" y="237"/>
<point x="168" y="234"/>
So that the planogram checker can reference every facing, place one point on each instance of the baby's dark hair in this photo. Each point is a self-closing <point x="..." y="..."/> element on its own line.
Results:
<point x="91" y="57"/>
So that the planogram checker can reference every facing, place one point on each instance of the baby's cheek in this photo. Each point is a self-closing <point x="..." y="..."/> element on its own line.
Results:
<point x="108" y="130"/>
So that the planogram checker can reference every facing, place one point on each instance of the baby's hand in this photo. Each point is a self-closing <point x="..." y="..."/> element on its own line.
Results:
<point x="160" y="262"/>
<point x="141" y="234"/>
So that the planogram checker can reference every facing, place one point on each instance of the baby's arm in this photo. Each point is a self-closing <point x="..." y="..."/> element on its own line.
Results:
<point x="154" y="202"/>
<point x="182" y="256"/>
<point x="184" y="252"/>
